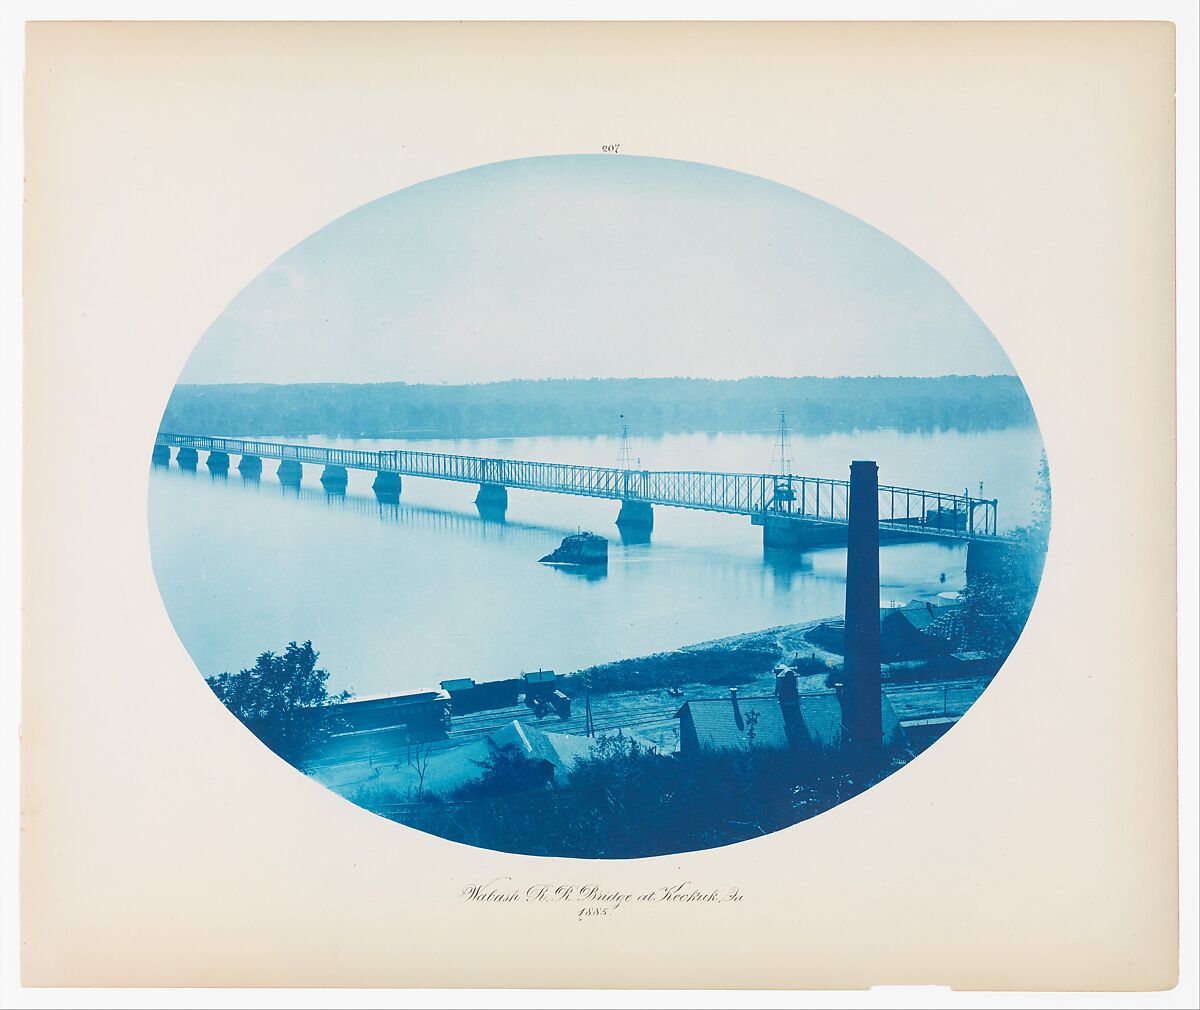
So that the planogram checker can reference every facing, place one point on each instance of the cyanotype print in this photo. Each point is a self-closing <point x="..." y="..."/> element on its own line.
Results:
<point x="598" y="506"/>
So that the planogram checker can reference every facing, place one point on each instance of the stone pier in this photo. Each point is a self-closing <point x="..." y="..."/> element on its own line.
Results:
<point x="988" y="557"/>
<point x="789" y="533"/>
<point x="387" y="484"/>
<point x="492" y="497"/>
<point x="290" y="472"/>
<point x="161" y="456"/>
<point x="636" y="513"/>
<point x="187" y="458"/>
<point x="250" y="466"/>
<point x="334" y="477"/>
<point x="218" y="462"/>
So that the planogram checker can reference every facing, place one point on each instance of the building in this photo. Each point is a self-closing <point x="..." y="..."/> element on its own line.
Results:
<point x="731" y="724"/>
<point x="911" y="631"/>
<point x="814" y="723"/>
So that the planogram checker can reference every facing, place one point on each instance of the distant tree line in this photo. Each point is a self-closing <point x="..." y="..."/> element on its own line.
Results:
<point x="523" y="407"/>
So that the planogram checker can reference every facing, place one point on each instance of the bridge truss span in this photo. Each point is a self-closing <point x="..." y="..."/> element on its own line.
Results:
<point x="817" y="500"/>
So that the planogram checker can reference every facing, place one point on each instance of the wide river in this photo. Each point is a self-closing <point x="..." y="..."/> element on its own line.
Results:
<point x="403" y="596"/>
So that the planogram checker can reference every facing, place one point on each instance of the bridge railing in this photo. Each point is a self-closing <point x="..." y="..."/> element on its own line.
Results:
<point x="815" y="499"/>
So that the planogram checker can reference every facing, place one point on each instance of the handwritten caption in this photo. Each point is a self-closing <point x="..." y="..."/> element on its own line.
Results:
<point x="592" y="900"/>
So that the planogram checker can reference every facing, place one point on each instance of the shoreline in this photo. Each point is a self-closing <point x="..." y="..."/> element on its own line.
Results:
<point x="732" y="661"/>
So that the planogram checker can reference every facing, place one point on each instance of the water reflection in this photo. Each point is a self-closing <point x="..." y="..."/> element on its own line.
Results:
<point x="389" y="499"/>
<point x="401" y="590"/>
<point x="492" y="513"/>
<point x="632" y="536"/>
<point x="387" y="506"/>
<point x="589" y="573"/>
<point x="785" y="566"/>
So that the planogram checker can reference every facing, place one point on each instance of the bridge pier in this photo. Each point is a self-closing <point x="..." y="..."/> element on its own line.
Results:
<point x="250" y="466"/>
<point x="820" y="505"/>
<point x="334" y="477"/>
<point x="492" y="502"/>
<point x="636" y="514"/>
<point x="986" y="557"/>
<point x="387" y="482"/>
<point x="1002" y="558"/>
<point x="492" y="497"/>
<point x="780" y="534"/>
<point x="290" y="472"/>
<point x="790" y="533"/>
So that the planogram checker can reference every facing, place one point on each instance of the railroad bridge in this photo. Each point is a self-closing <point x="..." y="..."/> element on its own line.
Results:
<point x="794" y="512"/>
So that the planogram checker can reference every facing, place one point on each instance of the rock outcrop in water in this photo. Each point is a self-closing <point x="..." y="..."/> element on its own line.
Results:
<point x="579" y="549"/>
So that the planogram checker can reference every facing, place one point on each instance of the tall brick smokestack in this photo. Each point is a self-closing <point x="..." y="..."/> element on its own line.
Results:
<point x="862" y="708"/>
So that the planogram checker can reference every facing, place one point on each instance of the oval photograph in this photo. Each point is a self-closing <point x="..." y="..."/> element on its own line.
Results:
<point x="598" y="506"/>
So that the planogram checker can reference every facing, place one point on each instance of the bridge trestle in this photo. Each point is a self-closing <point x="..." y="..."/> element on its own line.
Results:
<point x="817" y="504"/>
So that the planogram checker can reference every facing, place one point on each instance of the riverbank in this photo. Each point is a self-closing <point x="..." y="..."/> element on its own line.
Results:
<point x="640" y="697"/>
<point x="733" y="661"/>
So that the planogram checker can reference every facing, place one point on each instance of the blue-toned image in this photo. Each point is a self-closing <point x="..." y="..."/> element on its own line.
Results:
<point x="598" y="506"/>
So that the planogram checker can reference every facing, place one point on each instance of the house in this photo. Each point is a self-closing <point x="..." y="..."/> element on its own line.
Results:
<point x="731" y="723"/>
<point x="829" y="635"/>
<point x="911" y="631"/>
<point x="813" y="722"/>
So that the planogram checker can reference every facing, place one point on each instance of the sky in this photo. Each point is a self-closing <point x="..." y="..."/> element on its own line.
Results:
<point x="584" y="266"/>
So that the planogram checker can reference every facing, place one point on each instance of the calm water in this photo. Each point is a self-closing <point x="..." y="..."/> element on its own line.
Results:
<point x="403" y="596"/>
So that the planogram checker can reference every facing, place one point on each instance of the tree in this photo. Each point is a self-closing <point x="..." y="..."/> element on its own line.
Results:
<point x="996" y="606"/>
<point x="282" y="700"/>
<point x="417" y="754"/>
<point x="506" y="769"/>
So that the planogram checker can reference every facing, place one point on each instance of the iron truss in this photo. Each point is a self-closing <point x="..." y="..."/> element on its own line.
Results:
<point x="811" y="499"/>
